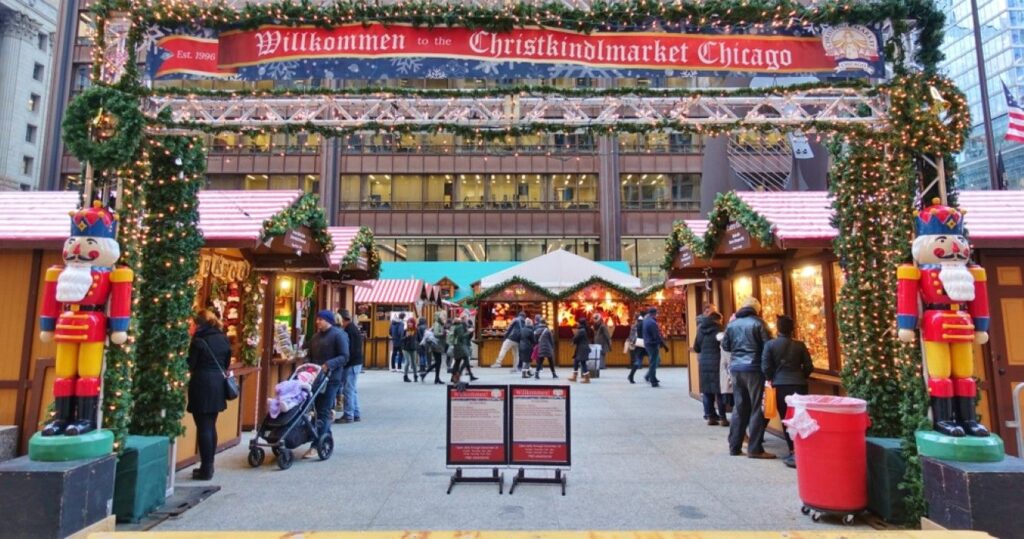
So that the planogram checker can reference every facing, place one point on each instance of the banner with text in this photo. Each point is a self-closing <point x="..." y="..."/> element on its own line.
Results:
<point x="377" y="51"/>
<point x="477" y="425"/>
<point x="540" y="426"/>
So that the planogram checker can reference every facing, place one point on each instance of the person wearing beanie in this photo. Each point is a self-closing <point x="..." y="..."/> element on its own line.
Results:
<point x="786" y="364"/>
<point x="328" y="348"/>
<point x="352" y="369"/>
<point x="744" y="339"/>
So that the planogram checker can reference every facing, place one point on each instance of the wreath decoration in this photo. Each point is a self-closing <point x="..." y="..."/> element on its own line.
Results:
<point x="104" y="126"/>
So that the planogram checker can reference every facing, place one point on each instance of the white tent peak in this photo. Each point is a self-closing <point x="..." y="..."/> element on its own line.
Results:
<point x="559" y="270"/>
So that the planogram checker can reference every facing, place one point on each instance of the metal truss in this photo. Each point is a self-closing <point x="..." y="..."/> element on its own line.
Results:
<point x="797" y="110"/>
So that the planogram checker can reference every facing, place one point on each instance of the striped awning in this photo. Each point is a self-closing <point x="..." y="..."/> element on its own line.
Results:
<point x="697" y="226"/>
<point x="795" y="216"/>
<point x="390" y="291"/>
<point x="227" y="218"/>
<point x="994" y="218"/>
<point x="342" y="237"/>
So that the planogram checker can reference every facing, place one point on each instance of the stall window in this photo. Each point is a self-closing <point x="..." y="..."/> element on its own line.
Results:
<point x="811" y="319"/>
<point x="771" y="299"/>
<point x="838" y="280"/>
<point x="742" y="288"/>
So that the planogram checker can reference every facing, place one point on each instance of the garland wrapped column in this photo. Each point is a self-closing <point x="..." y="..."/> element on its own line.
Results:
<point x="170" y="259"/>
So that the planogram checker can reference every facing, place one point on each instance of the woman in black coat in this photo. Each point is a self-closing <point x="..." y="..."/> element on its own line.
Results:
<point x="579" y="359"/>
<point x="209" y="356"/>
<point x="526" y="343"/>
<point x="709" y="359"/>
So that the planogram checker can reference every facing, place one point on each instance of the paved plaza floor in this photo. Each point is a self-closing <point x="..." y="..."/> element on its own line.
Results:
<point x="643" y="459"/>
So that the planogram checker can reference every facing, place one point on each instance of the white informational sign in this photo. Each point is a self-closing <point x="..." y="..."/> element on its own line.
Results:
<point x="477" y="431"/>
<point x="540" y="425"/>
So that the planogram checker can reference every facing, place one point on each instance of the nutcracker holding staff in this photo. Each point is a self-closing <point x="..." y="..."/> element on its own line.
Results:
<point x="83" y="301"/>
<point x="954" y="315"/>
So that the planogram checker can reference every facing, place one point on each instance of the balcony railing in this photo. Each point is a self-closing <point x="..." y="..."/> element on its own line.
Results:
<point x="680" y="205"/>
<point x="469" y="205"/>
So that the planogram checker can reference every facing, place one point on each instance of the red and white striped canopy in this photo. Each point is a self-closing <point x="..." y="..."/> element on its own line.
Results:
<point x="795" y="216"/>
<point x="39" y="219"/>
<point x="994" y="218"/>
<point x="342" y="237"/>
<point x="697" y="226"/>
<point x="390" y="291"/>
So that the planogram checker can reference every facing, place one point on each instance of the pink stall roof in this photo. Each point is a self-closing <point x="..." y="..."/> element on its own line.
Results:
<point x="342" y="237"/>
<point x="994" y="218"/>
<point x="39" y="219"/>
<point x="798" y="218"/>
<point x="390" y="291"/>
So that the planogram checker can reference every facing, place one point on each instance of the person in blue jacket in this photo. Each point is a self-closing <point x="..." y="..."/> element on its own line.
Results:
<point x="654" y="343"/>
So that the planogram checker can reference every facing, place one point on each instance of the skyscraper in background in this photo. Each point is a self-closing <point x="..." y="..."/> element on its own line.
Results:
<point x="1002" y="36"/>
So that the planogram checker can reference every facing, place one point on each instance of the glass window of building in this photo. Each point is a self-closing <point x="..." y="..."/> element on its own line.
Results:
<point x="386" y="249"/>
<point x="351" y="191"/>
<point x="439" y="249"/>
<point x="407" y="191"/>
<point x="530" y="249"/>
<point x="471" y="191"/>
<point x="257" y="181"/>
<point x="575" y="191"/>
<point x="379" y="191"/>
<point x="811" y="319"/>
<point x="409" y="249"/>
<point x="439" y="191"/>
<point x="284" y="182"/>
<point x="311" y="183"/>
<point x="500" y="250"/>
<point x="86" y="29"/>
<point x="660" y="191"/>
<point x="503" y="191"/>
<point x="470" y="251"/>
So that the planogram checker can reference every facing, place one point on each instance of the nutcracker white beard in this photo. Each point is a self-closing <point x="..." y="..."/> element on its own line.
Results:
<point x="74" y="282"/>
<point x="957" y="280"/>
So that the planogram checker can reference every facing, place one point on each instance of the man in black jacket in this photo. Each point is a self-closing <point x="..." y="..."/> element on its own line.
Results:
<point x="352" y="370"/>
<point x="329" y="349"/>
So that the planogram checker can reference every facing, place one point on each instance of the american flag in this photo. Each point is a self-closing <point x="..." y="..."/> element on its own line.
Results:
<point x="1015" y="130"/>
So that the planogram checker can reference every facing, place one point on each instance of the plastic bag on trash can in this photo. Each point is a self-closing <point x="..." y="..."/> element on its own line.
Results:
<point x="804" y="425"/>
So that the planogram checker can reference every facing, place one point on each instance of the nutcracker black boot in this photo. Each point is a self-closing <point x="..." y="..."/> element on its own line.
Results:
<point x="967" y="417"/>
<point x="85" y="416"/>
<point x="64" y="408"/>
<point x="942" y="417"/>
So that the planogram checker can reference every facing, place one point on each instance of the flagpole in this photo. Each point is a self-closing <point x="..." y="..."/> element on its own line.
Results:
<point x="990" y="141"/>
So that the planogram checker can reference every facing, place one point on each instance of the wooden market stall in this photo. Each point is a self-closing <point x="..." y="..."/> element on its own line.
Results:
<point x="239" y="269"/>
<point x="378" y="301"/>
<point x="563" y="288"/>
<point x="353" y="261"/>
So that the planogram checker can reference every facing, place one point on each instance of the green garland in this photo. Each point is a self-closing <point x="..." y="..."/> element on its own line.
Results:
<point x="120" y="148"/>
<point x="252" y="319"/>
<point x="491" y="290"/>
<point x="306" y="211"/>
<point x="170" y="260"/>
<point x="728" y="207"/>
<point x="364" y="240"/>
<point x="717" y="15"/>
<point x="627" y="293"/>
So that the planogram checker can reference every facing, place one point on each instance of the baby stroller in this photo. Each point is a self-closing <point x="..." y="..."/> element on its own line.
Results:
<point x="295" y="426"/>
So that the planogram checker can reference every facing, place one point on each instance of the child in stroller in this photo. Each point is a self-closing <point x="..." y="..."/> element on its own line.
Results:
<point x="289" y="422"/>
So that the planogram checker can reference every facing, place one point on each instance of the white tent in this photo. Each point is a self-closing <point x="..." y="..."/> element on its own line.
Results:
<point x="559" y="270"/>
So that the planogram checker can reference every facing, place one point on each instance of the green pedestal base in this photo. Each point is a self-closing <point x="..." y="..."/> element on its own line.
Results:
<point x="91" y="445"/>
<point x="965" y="449"/>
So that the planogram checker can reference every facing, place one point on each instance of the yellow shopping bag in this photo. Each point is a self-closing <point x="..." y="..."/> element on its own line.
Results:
<point x="771" y="410"/>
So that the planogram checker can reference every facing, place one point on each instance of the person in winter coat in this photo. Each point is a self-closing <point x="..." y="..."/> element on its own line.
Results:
<point x="526" y="344"/>
<point x="545" y="348"/>
<point x="352" y="369"/>
<point x="579" y="359"/>
<point x="709" y="357"/>
<point x="511" y="342"/>
<point x="786" y="363"/>
<point x="745" y="338"/>
<point x="396" y="332"/>
<point x="654" y="343"/>
<point x="459" y="338"/>
<point x="602" y="337"/>
<point x="422" y="352"/>
<point x="435" y="346"/>
<point x="328" y="348"/>
<point x="209" y="356"/>
<point x="635" y="350"/>
<point x="410" y="346"/>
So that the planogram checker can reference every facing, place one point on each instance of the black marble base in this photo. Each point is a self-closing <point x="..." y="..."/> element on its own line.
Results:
<point x="975" y="495"/>
<point x="54" y="499"/>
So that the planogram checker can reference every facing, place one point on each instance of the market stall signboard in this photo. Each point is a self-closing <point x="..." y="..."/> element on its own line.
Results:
<point x="736" y="238"/>
<point x="477" y="426"/>
<point x="540" y="432"/>
<point x="296" y="239"/>
<point x="517" y="293"/>
<point x="684" y="258"/>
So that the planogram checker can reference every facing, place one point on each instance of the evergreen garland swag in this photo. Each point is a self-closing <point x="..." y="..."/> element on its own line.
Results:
<point x="728" y="207"/>
<point x="252" y="318"/>
<point x="306" y="211"/>
<point x="170" y="260"/>
<point x="364" y="240"/>
<point x="98" y="111"/>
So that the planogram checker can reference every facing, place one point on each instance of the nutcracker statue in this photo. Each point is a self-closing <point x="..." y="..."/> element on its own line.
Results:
<point x="82" y="301"/>
<point x="955" y="316"/>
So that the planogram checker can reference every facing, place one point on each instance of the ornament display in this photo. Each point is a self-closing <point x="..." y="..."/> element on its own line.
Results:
<point x="84" y="300"/>
<point x="954" y="317"/>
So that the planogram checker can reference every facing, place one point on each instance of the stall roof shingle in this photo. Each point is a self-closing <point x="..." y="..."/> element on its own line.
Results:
<point x="390" y="291"/>
<point x="342" y="237"/>
<point x="795" y="216"/>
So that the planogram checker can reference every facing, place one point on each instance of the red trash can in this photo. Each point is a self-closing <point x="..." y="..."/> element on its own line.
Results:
<point x="829" y="435"/>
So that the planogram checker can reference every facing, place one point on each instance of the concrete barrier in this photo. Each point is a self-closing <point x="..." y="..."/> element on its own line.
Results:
<point x="8" y="442"/>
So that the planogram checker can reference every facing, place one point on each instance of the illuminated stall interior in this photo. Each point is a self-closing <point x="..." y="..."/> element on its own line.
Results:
<point x="377" y="302"/>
